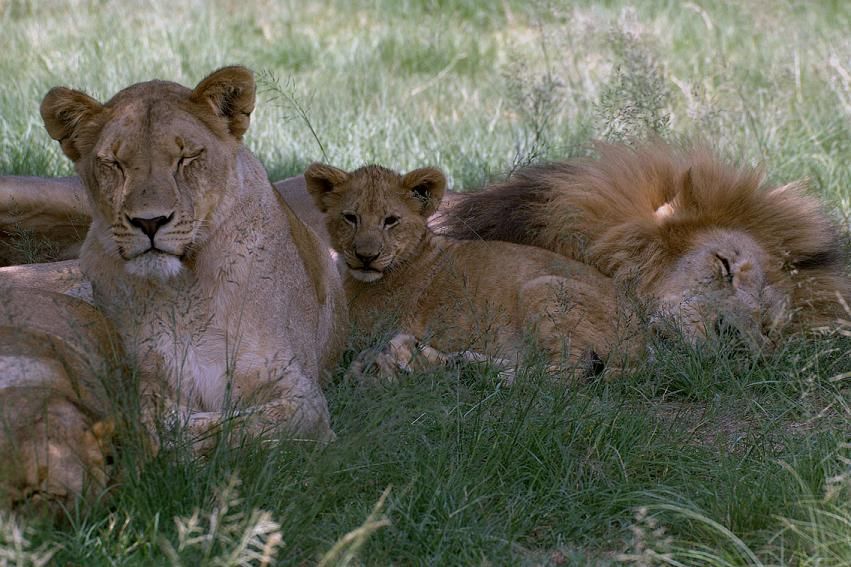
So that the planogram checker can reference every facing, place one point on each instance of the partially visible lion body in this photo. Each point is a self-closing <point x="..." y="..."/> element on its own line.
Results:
<point x="51" y="211"/>
<point x="57" y="354"/>
<point x="486" y="298"/>
<point x="60" y="277"/>
<point x="703" y="243"/>
<point x="222" y="297"/>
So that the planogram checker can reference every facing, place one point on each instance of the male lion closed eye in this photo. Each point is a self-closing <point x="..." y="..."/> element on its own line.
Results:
<point x="478" y="298"/>
<point x="222" y="297"/>
<point x="710" y="248"/>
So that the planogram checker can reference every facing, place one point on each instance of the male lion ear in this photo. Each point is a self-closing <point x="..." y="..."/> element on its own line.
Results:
<point x="687" y="189"/>
<point x="229" y="93"/>
<point x="321" y="180"/>
<point x="66" y="113"/>
<point x="427" y="186"/>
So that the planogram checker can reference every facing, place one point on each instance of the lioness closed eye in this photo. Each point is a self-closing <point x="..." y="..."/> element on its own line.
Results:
<point x="455" y="296"/>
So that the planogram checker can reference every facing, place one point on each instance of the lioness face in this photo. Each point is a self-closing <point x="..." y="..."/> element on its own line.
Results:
<point x="721" y="289"/>
<point x="157" y="195"/>
<point x="153" y="160"/>
<point x="376" y="217"/>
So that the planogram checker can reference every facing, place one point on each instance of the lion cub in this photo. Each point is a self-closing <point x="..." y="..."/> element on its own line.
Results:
<point x="443" y="296"/>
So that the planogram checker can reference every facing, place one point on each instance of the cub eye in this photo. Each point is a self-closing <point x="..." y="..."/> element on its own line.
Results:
<point x="351" y="218"/>
<point x="391" y="221"/>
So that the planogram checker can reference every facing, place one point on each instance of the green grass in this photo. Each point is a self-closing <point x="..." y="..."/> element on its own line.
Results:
<point x="706" y="458"/>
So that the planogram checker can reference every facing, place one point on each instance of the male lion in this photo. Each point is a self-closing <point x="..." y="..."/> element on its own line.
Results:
<point x="56" y="355"/>
<point x="478" y="298"/>
<point x="222" y="297"/>
<point x="712" y="249"/>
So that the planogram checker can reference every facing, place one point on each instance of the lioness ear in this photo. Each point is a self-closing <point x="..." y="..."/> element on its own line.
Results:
<point x="65" y="112"/>
<point x="229" y="93"/>
<point x="321" y="180"/>
<point x="427" y="186"/>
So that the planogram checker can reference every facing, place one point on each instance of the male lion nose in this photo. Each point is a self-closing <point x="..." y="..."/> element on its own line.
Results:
<point x="366" y="259"/>
<point x="152" y="225"/>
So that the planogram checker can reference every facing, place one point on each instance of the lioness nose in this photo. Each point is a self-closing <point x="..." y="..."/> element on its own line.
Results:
<point x="150" y="226"/>
<point x="366" y="259"/>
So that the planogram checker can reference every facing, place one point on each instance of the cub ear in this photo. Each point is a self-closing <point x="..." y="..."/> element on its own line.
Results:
<point x="426" y="185"/>
<point x="321" y="180"/>
<point x="65" y="112"/>
<point x="229" y="93"/>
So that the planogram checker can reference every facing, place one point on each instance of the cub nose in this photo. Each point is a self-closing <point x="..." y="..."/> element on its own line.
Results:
<point x="150" y="226"/>
<point x="366" y="259"/>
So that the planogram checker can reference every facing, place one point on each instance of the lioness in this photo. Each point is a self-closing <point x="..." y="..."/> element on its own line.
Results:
<point x="711" y="249"/>
<point x="56" y="355"/>
<point x="452" y="296"/>
<point x="222" y="297"/>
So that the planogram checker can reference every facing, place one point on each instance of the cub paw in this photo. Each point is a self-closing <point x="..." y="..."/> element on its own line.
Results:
<point x="387" y="364"/>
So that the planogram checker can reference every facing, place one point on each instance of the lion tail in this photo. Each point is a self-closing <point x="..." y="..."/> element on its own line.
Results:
<point x="507" y="211"/>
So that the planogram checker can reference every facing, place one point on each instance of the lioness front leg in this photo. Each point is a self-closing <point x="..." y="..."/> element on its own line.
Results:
<point x="162" y="415"/>
<point x="287" y="403"/>
<point x="167" y="420"/>
<point x="299" y="418"/>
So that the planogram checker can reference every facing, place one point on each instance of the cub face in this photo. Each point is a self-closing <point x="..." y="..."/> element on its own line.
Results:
<point x="376" y="218"/>
<point x="154" y="160"/>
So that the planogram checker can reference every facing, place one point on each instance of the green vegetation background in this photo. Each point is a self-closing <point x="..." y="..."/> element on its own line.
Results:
<point x="708" y="458"/>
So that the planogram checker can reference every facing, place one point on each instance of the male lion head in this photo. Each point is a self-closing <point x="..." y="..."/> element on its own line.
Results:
<point x="722" y="288"/>
<point x="376" y="217"/>
<point x="153" y="160"/>
<point x="728" y="257"/>
<point x="57" y="355"/>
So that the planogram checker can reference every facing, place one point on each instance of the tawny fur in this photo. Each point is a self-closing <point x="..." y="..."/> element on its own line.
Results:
<point x="232" y="303"/>
<point x="52" y="212"/>
<point x="455" y="296"/>
<point x="652" y="217"/>
<point x="57" y="356"/>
